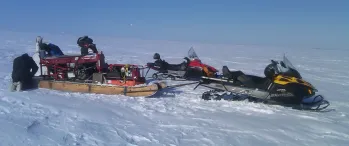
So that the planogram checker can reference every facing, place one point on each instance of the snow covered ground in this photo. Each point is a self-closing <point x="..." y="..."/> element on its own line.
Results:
<point x="44" y="117"/>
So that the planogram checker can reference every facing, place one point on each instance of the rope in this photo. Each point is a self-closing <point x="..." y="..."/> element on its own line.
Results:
<point x="184" y="84"/>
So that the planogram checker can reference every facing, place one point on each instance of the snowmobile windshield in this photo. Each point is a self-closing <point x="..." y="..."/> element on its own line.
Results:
<point x="288" y="63"/>
<point x="286" y="67"/>
<point x="191" y="54"/>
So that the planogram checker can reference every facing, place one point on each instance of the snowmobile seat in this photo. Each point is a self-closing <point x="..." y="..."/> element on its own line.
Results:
<point x="231" y="74"/>
<point x="227" y="73"/>
<point x="256" y="81"/>
<point x="237" y="76"/>
<point x="162" y="65"/>
<point x="250" y="81"/>
<point x="177" y="67"/>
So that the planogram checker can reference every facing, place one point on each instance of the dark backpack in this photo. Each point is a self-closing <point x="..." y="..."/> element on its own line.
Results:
<point x="55" y="50"/>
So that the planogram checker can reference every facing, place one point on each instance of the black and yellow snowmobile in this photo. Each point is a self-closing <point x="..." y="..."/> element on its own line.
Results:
<point x="282" y="85"/>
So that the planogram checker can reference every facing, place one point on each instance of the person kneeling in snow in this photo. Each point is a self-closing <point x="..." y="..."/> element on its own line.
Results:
<point x="22" y="77"/>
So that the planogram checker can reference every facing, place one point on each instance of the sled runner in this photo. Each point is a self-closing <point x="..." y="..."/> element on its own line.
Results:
<point x="191" y="69"/>
<point x="282" y="85"/>
<point x="133" y="91"/>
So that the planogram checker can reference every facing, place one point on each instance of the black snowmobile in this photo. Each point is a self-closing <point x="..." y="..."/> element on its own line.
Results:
<point x="191" y="69"/>
<point x="172" y="71"/>
<point x="282" y="85"/>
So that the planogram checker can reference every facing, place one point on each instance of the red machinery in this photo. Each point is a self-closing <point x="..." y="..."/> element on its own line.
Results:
<point x="82" y="69"/>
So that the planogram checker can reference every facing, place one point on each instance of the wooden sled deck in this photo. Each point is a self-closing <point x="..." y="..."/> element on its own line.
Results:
<point x="133" y="91"/>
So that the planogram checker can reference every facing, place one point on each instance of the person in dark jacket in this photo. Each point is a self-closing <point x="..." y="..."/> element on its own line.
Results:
<point x="24" y="68"/>
<point x="161" y="64"/>
<point x="86" y="43"/>
<point x="165" y="66"/>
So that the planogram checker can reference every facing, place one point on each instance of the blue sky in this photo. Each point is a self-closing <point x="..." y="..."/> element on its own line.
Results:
<point x="308" y="23"/>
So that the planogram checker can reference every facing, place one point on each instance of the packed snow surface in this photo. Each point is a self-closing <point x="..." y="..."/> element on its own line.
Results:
<point x="176" y="117"/>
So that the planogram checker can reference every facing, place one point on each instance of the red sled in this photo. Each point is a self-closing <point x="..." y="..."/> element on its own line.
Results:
<point x="79" y="68"/>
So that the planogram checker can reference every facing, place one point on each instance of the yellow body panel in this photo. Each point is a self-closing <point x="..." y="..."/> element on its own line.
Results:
<point x="283" y="80"/>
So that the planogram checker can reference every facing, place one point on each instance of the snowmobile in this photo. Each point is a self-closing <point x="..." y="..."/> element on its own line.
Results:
<point x="191" y="69"/>
<point x="282" y="85"/>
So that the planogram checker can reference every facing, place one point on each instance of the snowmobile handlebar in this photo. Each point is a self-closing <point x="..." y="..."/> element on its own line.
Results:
<point x="278" y="62"/>
<point x="274" y="62"/>
<point x="187" y="59"/>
